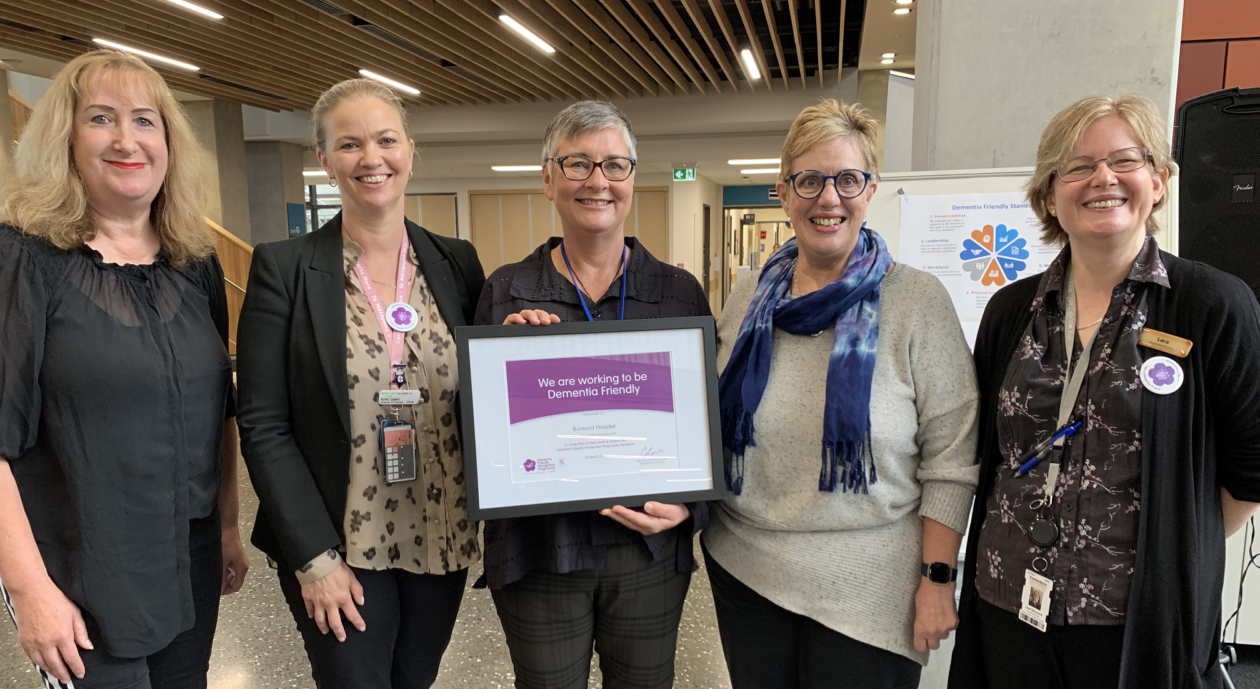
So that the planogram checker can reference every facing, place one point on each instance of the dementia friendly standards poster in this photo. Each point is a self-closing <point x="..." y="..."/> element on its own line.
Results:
<point x="975" y="243"/>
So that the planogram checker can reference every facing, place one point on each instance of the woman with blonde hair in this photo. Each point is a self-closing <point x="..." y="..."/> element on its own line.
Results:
<point x="1120" y="432"/>
<point x="118" y="500"/>
<point x="832" y="558"/>
<point x="336" y="322"/>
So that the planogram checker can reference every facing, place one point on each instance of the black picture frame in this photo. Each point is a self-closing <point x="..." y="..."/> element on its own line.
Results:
<point x="467" y="402"/>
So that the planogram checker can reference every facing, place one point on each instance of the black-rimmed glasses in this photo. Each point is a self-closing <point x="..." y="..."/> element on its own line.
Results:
<point x="579" y="168"/>
<point x="1123" y="160"/>
<point x="809" y="184"/>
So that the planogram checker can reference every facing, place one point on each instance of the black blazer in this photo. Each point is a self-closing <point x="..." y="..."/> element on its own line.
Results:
<point x="1205" y="435"/>
<point x="294" y="400"/>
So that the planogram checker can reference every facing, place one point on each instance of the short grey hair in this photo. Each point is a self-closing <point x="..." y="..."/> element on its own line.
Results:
<point x="584" y="117"/>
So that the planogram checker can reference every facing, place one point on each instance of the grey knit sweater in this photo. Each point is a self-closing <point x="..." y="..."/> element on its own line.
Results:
<point x="849" y="561"/>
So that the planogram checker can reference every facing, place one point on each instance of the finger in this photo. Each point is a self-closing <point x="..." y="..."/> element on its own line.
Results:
<point x="920" y="644"/>
<point x="310" y="608"/>
<point x="356" y="590"/>
<point x="321" y="619"/>
<point x="532" y="317"/>
<point x="554" y="318"/>
<point x="334" y="623"/>
<point x="80" y="632"/>
<point x="70" y="654"/>
<point x="514" y="319"/>
<point x="52" y="665"/>
<point x="353" y="617"/>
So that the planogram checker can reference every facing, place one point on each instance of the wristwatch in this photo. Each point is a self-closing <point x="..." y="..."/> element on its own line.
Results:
<point x="939" y="572"/>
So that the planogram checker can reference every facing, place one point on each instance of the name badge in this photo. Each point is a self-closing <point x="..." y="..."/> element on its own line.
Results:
<point x="1035" y="599"/>
<point x="398" y="398"/>
<point x="1169" y="344"/>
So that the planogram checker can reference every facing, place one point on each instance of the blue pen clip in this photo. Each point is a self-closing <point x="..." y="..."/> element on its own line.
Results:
<point x="1033" y="457"/>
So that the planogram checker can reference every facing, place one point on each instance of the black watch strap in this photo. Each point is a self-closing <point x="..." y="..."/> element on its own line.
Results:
<point x="939" y="572"/>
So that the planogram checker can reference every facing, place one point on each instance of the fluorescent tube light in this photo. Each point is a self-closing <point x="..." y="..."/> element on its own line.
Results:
<point x="195" y="8"/>
<point x="904" y="2"/>
<point x="760" y="171"/>
<point x="888" y="55"/>
<point x="753" y="161"/>
<point x="386" y="80"/>
<point x="885" y="62"/>
<point x="900" y="74"/>
<point x="516" y="168"/>
<point x="313" y="173"/>
<point x="142" y="53"/>
<point x="751" y="64"/>
<point x="902" y="10"/>
<point x="526" y="33"/>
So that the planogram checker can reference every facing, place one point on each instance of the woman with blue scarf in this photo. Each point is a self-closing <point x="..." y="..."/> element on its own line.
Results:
<point x="849" y="409"/>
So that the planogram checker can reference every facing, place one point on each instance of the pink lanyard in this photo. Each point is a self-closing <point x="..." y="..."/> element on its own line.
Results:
<point x="393" y="338"/>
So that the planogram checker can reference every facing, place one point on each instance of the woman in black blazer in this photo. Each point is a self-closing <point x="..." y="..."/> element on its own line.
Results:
<point x="365" y="305"/>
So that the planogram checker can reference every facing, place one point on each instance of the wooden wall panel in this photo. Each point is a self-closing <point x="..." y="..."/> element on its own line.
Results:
<point x="1201" y="69"/>
<point x="544" y="222"/>
<point x="439" y="214"/>
<point x="1242" y="64"/>
<point x="653" y="222"/>
<point x="516" y="217"/>
<point x="411" y="209"/>
<point x="486" y="230"/>
<point x="1213" y="20"/>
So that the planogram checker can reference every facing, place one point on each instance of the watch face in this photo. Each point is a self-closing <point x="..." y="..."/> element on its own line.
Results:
<point x="939" y="573"/>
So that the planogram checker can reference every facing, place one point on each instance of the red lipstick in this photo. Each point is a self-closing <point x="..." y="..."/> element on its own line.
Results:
<point x="126" y="166"/>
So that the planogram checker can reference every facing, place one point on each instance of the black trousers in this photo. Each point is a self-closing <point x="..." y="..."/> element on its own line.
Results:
<point x="768" y="647"/>
<point x="629" y="610"/>
<point x="1073" y="657"/>
<point x="409" y="619"/>
<point x="184" y="662"/>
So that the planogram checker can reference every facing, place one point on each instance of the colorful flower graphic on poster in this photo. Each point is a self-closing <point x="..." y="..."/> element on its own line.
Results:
<point x="994" y="255"/>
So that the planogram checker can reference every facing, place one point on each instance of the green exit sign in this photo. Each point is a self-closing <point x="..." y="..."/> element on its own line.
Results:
<point x="684" y="174"/>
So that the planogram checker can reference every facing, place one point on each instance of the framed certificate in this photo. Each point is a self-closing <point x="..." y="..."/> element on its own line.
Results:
<point x="574" y="417"/>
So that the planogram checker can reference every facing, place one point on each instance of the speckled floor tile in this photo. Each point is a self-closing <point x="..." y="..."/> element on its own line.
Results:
<point x="258" y="647"/>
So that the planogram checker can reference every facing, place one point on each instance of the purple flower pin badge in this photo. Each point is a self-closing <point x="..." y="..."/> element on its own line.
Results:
<point x="1162" y="375"/>
<point x="401" y="317"/>
<point x="529" y="465"/>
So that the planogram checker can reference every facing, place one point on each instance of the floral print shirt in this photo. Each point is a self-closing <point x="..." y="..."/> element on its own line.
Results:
<point x="420" y="526"/>
<point x="1096" y="497"/>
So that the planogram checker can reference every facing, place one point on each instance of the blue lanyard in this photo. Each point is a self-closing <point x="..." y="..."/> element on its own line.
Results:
<point x="621" y="310"/>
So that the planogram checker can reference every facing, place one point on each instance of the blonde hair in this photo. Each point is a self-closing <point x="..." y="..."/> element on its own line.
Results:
<point x="45" y="192"/>
<point x="1064" y="134"/>
<point x="353" y="89"/>
<point x="827" y="121"/>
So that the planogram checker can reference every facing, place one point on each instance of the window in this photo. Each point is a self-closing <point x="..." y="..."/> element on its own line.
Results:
<point x="323" y="202"/>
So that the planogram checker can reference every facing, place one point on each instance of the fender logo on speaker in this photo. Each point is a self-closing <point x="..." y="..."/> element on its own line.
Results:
<point x="1244" y="188"/>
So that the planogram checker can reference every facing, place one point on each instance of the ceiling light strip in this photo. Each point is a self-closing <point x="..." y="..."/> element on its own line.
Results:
<point x="753" y="161"/>
<point x="516" y="168"/>
<point x="526" y="33"/>
<point x="750" y="65"/>
<point x="144" y="53"/>
<point x="196" y="8"/>
<point x="386" y="80"/>
<point x="760" y="171"/>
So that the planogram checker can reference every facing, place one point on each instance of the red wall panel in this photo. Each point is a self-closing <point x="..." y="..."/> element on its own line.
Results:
<point x="1242" y="67"/>
<point x="1213" y="20"/>
<point x="1201" y="69"/>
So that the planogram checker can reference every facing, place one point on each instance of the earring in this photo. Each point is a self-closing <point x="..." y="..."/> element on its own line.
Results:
<point x="332" y="181"/>
<point x="788" y="223"/>
<point x="411" y="173"/>
<point x="1053" y="214"/>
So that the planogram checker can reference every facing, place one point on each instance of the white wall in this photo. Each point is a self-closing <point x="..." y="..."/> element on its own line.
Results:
<point x="899" y="123"/>
<point x="687" y="201"/>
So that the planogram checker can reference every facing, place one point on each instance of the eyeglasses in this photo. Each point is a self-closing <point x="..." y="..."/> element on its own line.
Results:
<point x="579" y="168"/>
<point x="1123" y="160"/>
<point x="809" y="184"/>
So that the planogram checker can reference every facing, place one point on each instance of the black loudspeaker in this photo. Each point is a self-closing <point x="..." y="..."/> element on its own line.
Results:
<point x="1218" y="150"/>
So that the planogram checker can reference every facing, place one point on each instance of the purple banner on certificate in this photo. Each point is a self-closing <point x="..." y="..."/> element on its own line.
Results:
<point x="546" y="387"/>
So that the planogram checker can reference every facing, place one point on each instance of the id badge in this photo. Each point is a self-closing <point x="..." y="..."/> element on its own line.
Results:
<point x="1035" y="599"/>
<point x="398" y="440"/>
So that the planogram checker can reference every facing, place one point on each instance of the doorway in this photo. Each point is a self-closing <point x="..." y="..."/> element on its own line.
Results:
<point x="708" y="261"/>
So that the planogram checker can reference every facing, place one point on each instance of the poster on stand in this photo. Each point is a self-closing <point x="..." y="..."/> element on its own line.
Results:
<point x="582" y="416"/>
<point x="975" y="243"/>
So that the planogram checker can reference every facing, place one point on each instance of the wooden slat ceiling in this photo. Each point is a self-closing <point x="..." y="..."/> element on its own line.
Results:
<point x="281" y="54"/>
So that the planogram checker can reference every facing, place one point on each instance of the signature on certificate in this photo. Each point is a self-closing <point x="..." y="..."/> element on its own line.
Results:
<point x="649" y="451"/>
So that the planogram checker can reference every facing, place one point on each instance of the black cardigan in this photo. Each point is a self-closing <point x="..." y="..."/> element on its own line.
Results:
<point x="294" y="410"/>
<point x="1195" y="440"/>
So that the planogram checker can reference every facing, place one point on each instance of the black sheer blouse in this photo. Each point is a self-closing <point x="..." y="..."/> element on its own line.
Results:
<point x="114" y="385"/>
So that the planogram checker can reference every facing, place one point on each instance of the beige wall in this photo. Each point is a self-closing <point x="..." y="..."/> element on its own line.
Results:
<point x="219" y="127"/>
<point x="873" y="95"/>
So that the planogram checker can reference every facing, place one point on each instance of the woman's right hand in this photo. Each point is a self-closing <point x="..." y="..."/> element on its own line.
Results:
<point x="51" y="630"/>
<point x="331" y="596"/>
<point x="531" y="317"/>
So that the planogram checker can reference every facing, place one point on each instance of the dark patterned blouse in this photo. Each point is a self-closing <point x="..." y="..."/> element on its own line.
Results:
<point x="1097" y="493"/>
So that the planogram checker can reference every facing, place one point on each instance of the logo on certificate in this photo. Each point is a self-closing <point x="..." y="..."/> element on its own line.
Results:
<point x="530" y="465"/>
<point x="993" y="256"/>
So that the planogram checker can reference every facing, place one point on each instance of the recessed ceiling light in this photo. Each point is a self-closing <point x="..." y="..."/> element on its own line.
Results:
<point x="888" y="56"/>
<point x="760" y="171"/>
<point x="753" y="161"/>
<point x="386" y="80"/>
<point x="526" y="33"/>
<point x="313" y="173"/>
<point x="904" y="2"/>
<point x="516" y="168"/>
<point x="196" y="8"/>
<point x="142" y="53"/>
<point x="750" y="64"/>
<point x="885" y="62"/>
<point x="902" y="10"/>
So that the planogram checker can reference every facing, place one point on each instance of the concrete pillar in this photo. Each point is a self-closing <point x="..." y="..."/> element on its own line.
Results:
<point x="219" y="128"/>
<point x="274" y="172"/>
<point x="989" y="74"/>
<point x="873" y="95"/>
<point x="6" y="123"/>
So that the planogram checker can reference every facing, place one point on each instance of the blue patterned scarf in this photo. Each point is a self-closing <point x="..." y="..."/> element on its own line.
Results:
<point x="851" y="306"/>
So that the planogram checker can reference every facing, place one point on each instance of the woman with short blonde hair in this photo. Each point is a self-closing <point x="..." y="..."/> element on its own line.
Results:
<point x="831" y="560"/>
<point x="1119" y="421"/>
<point x="118" y="493"/>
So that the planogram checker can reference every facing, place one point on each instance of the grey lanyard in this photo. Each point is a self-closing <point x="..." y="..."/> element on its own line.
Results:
<point x="1073" y="377"/>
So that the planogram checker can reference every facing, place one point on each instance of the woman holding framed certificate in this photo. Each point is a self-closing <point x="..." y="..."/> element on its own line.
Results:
<point x="615" y="578"/>
<point x="348" y="380"/>
<point x="849" y="404"/>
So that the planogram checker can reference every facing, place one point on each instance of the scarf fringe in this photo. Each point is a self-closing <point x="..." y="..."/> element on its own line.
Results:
<point x="741" y="425"/>
<point x="848" y="465"/>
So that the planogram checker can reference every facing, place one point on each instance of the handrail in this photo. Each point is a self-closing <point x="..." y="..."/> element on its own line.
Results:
<point x="242" y="289"/>
<point x="229" y="236"/>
